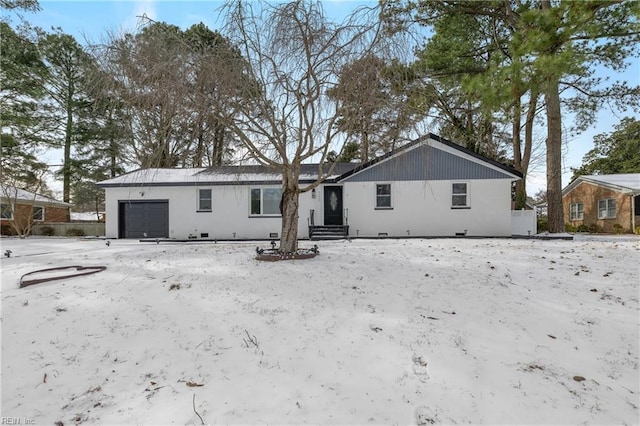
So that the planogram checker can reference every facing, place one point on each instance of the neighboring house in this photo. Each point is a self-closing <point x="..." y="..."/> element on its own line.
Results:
<point x="429" y="187"/>
<point x="606" y="203"/>
<point x="24" y="206"/>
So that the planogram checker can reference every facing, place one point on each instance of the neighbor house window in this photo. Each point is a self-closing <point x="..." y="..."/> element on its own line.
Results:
<point x="459" y="195"/>
<point x="204" y="200"/>
<point x="607" y="209"/>
<point x="5" y="212"/>
<point x="576" y="211"/>
<point x="265" y="201"/>
<point x="38" y="214"/>
<point x="383" y="196"/>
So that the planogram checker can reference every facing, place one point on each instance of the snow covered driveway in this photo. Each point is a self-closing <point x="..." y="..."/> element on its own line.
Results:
<point x="369" y="332"/>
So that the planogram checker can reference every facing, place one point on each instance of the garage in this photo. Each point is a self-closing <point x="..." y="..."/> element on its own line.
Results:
<point x="143" y="219"/>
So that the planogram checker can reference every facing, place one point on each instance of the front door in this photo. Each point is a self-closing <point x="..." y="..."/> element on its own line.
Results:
<point x="333" y="205"/>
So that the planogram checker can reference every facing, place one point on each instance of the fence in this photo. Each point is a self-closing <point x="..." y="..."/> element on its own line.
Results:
<point x="75" y="229"/>
<point x="524" y="222"/>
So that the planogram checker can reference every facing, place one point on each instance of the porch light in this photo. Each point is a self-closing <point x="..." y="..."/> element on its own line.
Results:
<point x="313" y="193"/>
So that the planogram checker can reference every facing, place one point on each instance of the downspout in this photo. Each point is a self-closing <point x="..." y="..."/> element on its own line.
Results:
<point x="633" y="213"/>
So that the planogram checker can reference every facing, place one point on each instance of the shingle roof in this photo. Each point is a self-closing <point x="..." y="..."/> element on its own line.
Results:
<point x="628" y="182"/>
<point x="220" y="175"/>
<point x="22" y="195"/>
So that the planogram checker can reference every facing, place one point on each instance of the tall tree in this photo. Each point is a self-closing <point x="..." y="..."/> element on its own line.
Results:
<point x="146" y="73"/>
<point x="616" y="152"/>
<point x="169" y="83"/>
<point x="21" y="91"/>
<point x="68" y="100"/>
<point x="295" y="55"/>
<point x="212" y="60"/>
<point x="378" y="102"/>
<point x="551" y="46"/>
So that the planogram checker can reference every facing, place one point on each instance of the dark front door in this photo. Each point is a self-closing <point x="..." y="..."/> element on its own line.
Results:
<point x="144" y="219"/>
<point x="333" y="205"/>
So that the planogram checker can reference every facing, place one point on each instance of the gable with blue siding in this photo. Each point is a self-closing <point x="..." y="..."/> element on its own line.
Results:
<point x="425" y="162"/>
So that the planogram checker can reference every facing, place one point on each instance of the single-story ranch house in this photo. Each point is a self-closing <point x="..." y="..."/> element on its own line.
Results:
<point x="429" y="187"/>
<point x="606" y="203"/>
<point x="18" y="205"/>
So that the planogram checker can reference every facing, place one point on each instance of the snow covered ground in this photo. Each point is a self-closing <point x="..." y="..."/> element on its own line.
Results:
<point x="419" y="331"/>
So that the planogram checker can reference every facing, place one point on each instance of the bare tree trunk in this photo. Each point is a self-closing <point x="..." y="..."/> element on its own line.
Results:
<point x="364" y="149"/>
<point x="554" y="158"/>
<point x="218" y="144"/>
<point x="66" y="167"/>
<point x="290" y="203"/>
<point x="520" y="189"/>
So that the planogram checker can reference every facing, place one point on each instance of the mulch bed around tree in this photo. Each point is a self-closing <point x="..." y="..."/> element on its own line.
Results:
<point x="274" y="255"/>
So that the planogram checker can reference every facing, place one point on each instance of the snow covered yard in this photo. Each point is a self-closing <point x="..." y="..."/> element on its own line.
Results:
<point x="369" y="332"/>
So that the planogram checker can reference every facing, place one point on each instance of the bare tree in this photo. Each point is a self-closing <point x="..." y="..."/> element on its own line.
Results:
<point x="379" y="102"/>
<point x="295" y="55"/>
<point x="18" y="205"/>
<point x="172" y="85"/>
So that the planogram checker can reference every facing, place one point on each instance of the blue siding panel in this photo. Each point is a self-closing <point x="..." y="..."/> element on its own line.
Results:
<point x="426" y="163"/>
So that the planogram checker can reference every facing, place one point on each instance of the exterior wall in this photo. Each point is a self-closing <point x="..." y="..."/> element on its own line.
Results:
<point x="23" y="212"/>
<point x="229" y="215"/>
<point x="57" y="214"/>
<point x="589" y="194"/>
<point x="51" y="213"/>
<point x="423" y="208"/>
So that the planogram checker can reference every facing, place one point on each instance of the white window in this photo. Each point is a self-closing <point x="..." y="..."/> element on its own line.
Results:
<point x="383" y="196"/>
<point x="265" y="201"/>
<point x="38" y="214"/>
<point x="204" y="200"/>
<point x="607" y="209"/>
<point x="5" y="212"/>
<point x="576" y="211"/>
<point x="459" y="196"/>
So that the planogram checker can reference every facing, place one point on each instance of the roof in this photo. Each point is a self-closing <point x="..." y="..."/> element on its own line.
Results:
<point x="440" y="162"/>
<point x="627" y="183"/>
<point x="18" y="194"/>
<point x="220" y="175"/>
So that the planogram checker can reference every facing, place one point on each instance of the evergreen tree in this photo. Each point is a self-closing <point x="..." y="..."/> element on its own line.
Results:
<point x="617" y="152"/>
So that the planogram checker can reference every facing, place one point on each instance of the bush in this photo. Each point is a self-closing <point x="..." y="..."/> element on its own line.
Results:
<point x="569" y="227"/>
<point x="75" y="232"/>
<point x="593" y="228"/>
<point x="543" y="223"/>
<point x="617" y="228"/>
<point x="47" y="230"/>
<point x="582" y="228"/>
<point x="637" y="231"/>
<point x="7" y="229"/>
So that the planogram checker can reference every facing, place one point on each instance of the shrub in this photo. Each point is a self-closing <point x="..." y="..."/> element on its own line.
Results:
<point x="582" y="228"/>
<point x="543" y="223"/>
<point x="617" y="228"/>
<point x="593" y="228"/>
<point x="569" y="227"/>
<point x="75" y="232"/>
<point x="47" y="230"/>
<point x="7" y="229"/>
<point x="637" y="231"/>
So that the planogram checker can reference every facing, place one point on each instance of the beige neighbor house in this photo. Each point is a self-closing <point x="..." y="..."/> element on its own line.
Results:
<point x="603" y="203"/>
<point x="25" y="209"/>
